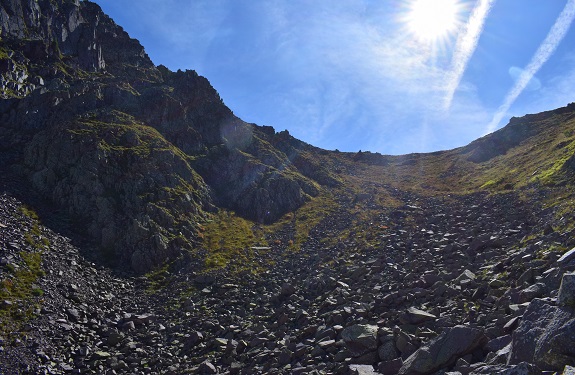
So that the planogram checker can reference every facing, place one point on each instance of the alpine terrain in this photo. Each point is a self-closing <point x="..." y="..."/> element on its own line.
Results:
<point x="145" y="229"/>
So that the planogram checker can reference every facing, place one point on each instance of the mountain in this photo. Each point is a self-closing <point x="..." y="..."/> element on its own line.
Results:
<point x="135" y="152"/>
<point x="147" y="229"/>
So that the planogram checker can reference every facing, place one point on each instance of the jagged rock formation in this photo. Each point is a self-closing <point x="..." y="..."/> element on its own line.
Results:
<point x="119" y="143"/>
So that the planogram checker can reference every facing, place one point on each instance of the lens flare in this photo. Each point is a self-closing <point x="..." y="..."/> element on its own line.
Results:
<point x="432" y="20"/>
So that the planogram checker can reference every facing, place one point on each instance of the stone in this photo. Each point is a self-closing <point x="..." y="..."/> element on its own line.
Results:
<point x="387" y="351"/>
<point x="566" y="258"/>
<point x="522" y="368"/>
<point x="207" y="367"/>
<point x="416" y="316"/>
<point x="390" y="367"/>
<point x="362" y="370"/>
<point x="360" y="338"/>
<point x="566" y="296"/>
<point x="533" y="291"/>
<point x="511" y="324"/>
<point x="101" y="354"/>
<point x="444" y="350"/>
<point x="498" y="343"/>
<point x="568" y="370"/>
<point x="545" y="336"/>
<point x="496" y="283"/>
<point x="287" y="289"/>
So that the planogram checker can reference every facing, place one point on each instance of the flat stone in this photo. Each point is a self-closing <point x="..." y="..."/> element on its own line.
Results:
<point x="444" y="350"/>
<point x="567" y="257"/>
<point x="362" y="370"/>
<point x="416" y="316"/>
<point x="102" y="355"/>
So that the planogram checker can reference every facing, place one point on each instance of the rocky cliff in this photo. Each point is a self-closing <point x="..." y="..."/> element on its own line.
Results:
<point x="135" y="152"/>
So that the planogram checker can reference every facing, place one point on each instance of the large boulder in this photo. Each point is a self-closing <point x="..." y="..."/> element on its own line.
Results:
<point x="360" y="338"/>
<point x="444" y="350"/>
<point x="545" y="336"/>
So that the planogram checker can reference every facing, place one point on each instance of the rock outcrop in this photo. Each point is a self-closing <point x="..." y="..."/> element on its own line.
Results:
<point x="136" y="152"/>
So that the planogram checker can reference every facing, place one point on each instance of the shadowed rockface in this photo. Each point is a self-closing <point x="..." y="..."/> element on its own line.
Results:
<point x="136" y="152"/>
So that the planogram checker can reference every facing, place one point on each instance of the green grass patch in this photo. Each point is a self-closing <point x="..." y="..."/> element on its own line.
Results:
<point x="17" y="292"/>
<point x="229" y="241"/>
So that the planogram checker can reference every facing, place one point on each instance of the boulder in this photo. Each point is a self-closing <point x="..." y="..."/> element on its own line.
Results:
<point x="566" y="258"/>
<point x="522" y="368"/>
<point x="444" y="350"/>
<point x="416" y="316"/>
<point x="362" y="370"/>
<point x="566" y="296"/>
<point x="360" y="338"/>
<point x="545" y="336"/>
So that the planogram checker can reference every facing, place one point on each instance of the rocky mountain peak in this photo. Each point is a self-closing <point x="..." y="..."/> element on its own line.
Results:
<point x="136" y="152"/>
<point x="78" y="32"/>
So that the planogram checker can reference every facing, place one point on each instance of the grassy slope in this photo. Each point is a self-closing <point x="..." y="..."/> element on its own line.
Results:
<point x="528" y="155"/>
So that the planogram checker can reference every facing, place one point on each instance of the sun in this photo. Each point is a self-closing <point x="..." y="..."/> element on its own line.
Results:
<point x="432" y="20"/>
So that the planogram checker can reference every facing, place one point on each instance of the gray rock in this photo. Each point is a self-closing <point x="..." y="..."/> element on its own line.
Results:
<point x="534" y="291"/>
<point x="545" y="336"/>
<point x="390" y="367"/>
<point x="416" y="316"/>
<point x="466" y="275"/>
<point x="444" y="350"/>
<point x="287" y="289"/>
<point x="522" y="368"/>
<point x="207" y="367"/>
<point x="566" y="296"/>
<point x="362" y="370"/>
<point x="388" y="351"/>
<point x="566" y="258"/>
<point x="360" y="338"/>
<point x="498" y="343"/>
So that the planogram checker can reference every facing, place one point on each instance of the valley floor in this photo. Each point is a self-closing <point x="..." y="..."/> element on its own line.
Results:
<point x="455" y="283"/>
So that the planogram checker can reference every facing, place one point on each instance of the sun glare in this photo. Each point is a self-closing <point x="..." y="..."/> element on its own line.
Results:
<point x="432" y="20"/>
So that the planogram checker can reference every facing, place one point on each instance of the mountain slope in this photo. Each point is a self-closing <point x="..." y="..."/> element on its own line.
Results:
<point x="118" y="143"/>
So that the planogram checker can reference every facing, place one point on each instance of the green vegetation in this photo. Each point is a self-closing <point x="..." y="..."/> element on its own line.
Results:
<point x="549" y="175"/>
<point x="18" y="290"/>
<point x="158" y="279"/>
<point x="230" y="241"/>
<point x="4" y="53"/>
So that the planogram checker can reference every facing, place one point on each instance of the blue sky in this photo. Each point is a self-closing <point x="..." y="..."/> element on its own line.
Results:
<point x="364" y="74"/>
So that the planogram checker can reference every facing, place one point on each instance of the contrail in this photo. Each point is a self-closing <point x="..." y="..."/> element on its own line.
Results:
<point x="543" y="53"/>
<point x="465" y="46"/>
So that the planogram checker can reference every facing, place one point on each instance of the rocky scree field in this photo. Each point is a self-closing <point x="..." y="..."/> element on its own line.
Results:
<point x="145" y="229"/>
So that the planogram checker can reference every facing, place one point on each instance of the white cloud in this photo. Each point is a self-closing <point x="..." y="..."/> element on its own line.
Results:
<point x="465" y="46"/>
<point x="543" y="53"/>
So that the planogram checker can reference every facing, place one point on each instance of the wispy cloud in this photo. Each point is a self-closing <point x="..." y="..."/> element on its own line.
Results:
<point x="465" y="46"/>
<point x="545" y="50"/>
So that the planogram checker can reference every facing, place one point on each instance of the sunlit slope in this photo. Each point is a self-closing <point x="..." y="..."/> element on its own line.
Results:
<point x="533" y="149"/>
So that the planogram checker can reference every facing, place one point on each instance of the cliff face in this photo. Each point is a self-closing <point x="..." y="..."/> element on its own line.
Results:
<point x="135" y="153"/>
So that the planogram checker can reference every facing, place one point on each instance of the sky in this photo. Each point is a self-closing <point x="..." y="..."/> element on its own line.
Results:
<point x="387" y="76"/>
